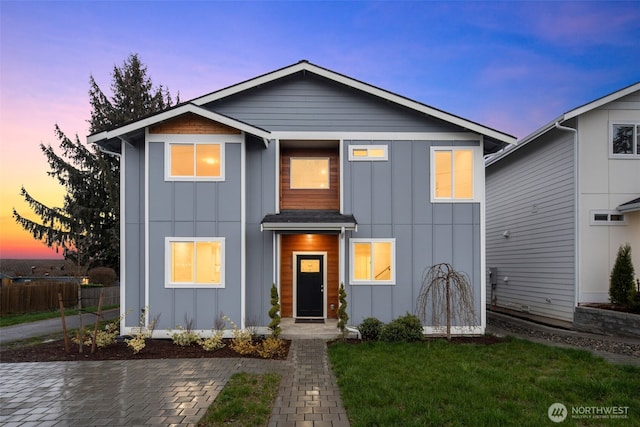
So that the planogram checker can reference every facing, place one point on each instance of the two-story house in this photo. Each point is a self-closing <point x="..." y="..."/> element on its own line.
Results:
<point x="305" y="178"/>
<point x="559" y="206"/>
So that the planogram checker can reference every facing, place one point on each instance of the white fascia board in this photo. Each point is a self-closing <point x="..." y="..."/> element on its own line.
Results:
<point x="378" y="136"/>
<point x="602" y="101"/>
<point x="356" y="84"/>
<point x="178" y="111"/>
<point x="629" y="208"/>
<point x="295" y="226"/>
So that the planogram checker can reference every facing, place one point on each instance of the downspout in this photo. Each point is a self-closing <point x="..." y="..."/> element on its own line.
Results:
<point x="576" y="220"/>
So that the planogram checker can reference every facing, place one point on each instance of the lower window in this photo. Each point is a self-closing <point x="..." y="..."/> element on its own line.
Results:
<point x="373" y="261"/>
<point x="196" y="262"/>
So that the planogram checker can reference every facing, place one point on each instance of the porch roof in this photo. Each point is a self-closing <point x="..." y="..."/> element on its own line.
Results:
<point x="630" y="206"/>
<point x="311" y="220"/>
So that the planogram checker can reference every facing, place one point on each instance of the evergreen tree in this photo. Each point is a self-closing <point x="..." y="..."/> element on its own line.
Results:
<point x="87" y="227"/>
<point x="622" y="283"/>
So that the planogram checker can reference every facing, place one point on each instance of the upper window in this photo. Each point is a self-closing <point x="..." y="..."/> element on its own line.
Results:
<point x="194" y="262"/>
<point x="625" y="140"/>
<point x="368" y="153"/>
<point x="373" y="261"/>
<point x="195" y="161"/>
<point x="452" y="174"/>
<point x="309" y="173"/>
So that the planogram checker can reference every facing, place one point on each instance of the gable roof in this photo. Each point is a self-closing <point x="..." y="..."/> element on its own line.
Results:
<point x="565" y="117"/>
<point x="498" y="139"/>
<point x="189" y="107"/>
<point x="306" y="66"/>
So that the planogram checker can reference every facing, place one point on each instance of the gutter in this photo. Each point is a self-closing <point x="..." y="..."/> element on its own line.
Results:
<point x="576" y="200"/>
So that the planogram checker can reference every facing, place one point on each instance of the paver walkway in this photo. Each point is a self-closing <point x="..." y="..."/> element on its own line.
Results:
<point x="173" y="392"/>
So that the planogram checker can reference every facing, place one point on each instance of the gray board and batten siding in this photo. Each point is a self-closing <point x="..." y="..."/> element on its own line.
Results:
<point x="307" y="102"/>
<point x="530" y="196"/>
<point x="391" y="199"/>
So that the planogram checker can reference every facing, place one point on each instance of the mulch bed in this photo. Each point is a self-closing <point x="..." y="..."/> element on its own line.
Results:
<point x="54" y="351"/>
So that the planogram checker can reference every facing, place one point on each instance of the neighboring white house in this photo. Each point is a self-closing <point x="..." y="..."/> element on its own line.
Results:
<point x="560" y="204"/>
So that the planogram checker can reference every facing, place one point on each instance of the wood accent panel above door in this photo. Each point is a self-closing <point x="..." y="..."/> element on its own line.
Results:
<point x="193" y="124"/>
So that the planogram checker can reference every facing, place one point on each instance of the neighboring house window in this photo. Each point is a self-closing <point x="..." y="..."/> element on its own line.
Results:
<point x="453" y="174"/>
<point x="196" y="262"/>
<point x="195" y="162"/>
<point x="309" y="173"/>
<point x="607" y="218"/>
<point x="373" y="261"/>
<point x="625" y="140"/>
<point x="368" y="153"/>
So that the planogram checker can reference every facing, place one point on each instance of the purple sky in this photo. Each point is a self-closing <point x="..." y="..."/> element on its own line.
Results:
<point x="512" y="66"/>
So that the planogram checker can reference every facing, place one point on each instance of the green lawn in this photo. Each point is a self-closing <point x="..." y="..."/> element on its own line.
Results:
<point x="510" y="383"/>
<point x="245" y="401"/>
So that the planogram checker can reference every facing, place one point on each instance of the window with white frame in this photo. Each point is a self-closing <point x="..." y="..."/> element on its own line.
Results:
<point x="194" y="161"/>
<point x="607" y="218"/>
<point x="453" y="174"/>
<point x="373" y="261"/>
<point x="368" y="153"/>
<point x="195" y="262"/>
<point x="625" y="140"/>
<point x="309" y="173"/>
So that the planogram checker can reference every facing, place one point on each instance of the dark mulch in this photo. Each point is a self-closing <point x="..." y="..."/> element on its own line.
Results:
<point x="54" y="351"/>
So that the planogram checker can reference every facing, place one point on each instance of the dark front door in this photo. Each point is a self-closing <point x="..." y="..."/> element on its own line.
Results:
<point x="309" y="285"/>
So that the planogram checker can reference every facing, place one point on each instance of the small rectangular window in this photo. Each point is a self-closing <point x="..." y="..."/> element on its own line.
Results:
<point x="625" y="140"/>
<point x="368" y="153"/>
<point x="194" y="262"/>
<point x="373" y="261"/>
<point x="189" y="161"/>
<point x="309" y="173"/>
<point x="607" y="218"/>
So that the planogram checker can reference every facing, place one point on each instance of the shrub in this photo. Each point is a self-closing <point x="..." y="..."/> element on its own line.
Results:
<point x="343" y="317"/>
<point x="270" y="347"/>
<point x="102" y="275"/>
<point x="621" y="280"/>
<point x="404" y="328"/>
<point x="212" y="343"/>
<point x="242" y="341"/>
<point x="184" y="337"/>
<point x="370" y="328"/>
<point x="274" y="312"/>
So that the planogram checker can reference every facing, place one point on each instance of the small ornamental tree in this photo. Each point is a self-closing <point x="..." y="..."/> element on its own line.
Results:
<point x="274" y="312"/>
<point x="343" y="317"/>
<point x="621" y="283"/>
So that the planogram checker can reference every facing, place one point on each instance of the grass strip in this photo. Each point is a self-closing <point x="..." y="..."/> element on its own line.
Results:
<point x="16" y="319"/>
<point x="246" y="400"/>
<point x="438" y="383"/>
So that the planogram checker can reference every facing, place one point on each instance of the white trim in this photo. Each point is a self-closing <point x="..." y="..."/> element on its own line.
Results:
<point x="316" y="226"/>
<point x="368" y="157"/>
<point x="193" y="178"/>
<point x="478" y="174"/>
<point x="175" y="112"/>
<point x="483" y="251"/>
<point x="168" y="284"/>
<point x="341" y="172"/>
<point x="187" y="138"/>
<point x="243" y="232"/>
<point x="123" y="240"/>
<point x="455" y="330"/>
<point x="393" y="266"/>
<point x="295" y="280"/>
<point x="277" y="177"/>
<point x="147" y="220"/>
<point x="356" y="84"/>
<point x="377" y="136"/>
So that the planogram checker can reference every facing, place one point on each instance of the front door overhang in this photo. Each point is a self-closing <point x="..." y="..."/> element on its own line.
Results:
<point x="309" y="220"/>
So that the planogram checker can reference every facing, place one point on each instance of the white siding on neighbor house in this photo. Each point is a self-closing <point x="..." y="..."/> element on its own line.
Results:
<point x="604" y="184"/>
<point x="531" y="194"/>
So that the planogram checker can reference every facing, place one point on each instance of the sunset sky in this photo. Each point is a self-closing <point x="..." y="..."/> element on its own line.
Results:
<point x="512" y="66"/>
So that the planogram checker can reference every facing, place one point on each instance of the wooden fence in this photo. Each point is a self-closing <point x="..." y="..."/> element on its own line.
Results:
<point x="21" y="298"/>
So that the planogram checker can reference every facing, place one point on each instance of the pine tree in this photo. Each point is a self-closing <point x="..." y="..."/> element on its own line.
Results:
<point x="86" y="228"/>
<point x="621" y="283"/>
